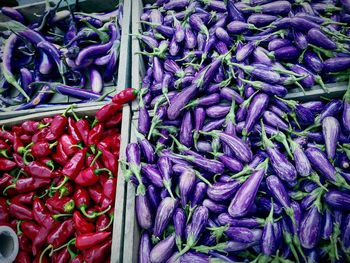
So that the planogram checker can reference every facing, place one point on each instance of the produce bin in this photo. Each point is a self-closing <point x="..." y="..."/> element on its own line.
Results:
<point x="132" y="230"/>
<point x="29" y="12"/>
<point x="119" y="207"/>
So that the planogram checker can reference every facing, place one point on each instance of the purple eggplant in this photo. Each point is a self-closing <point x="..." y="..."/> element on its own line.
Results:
<point x="255" y="111"/>
<point x="144" y="248"/>
<point x="179" y="220"/>
<point x="165" y="212"/>
<point x="218" y="111"/>
<point x="338" y="200"/>
<point x="133" y="157"/>
<point x="310" y="228"/>
<point x="226" y="219"/>
<point x="213" y="207"/>
<point x="283" y="168"/>
<point x="274" y="8"/>
<point x="13" y="14"/>
<point x="229" y="246"/>
<point x="331" y="130"/>
<point x="233" y="12"/>
<point x="143" y="212"/>
<point x="261" y="20"/>
<point x="153" y="175"/>
<point x="270" y="89"/>
<point x="265" y="204"/>
<point x="153" y="197"/>
<point x="186" y="183"/>
<point x="336" y="64"/>
<point x="198" y="194"/>
<point x="244" y="197"/>
<point x="275" y="121"/>
<point x="165" y="168"/>
<point x="230" y="94"/>
<point x="186" y="137"/>
<point x="268" y="239"/>
<point x="327" y="222"/>
<point x="313" y="61"/>
<point x="316" y="37"/>
<point x="302" y="163"/>
<point x="161" y="252"/>
<point x="278" y="43"/>
<point x="242" y="234"/>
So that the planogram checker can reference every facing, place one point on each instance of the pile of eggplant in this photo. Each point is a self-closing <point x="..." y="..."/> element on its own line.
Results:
<point x="63" y="51"/>
<point x="225" y="168"/>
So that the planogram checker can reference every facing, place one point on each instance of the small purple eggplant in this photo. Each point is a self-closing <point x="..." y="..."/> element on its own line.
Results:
<point x="165" y="212"/>
<point x="244" y="197"/>
<point x="213" y="207"/>
<point x="268" y="240"/>
<point x="331" y="130"/>
<point x="179" y="220"/>
<point x="223" y="191"/>
<point x="338" y="200"/>
<point x="143" y="212"/>
<point x="186" y="183"/>
<point x="226" y="219"/>
<point x="310" y="228"/>
<point x="161" y="252"/>
<point x="145" y="248"/>
<point x="165" y="169"/>
<point x="133" y="157"/>
<point x="302" y="163"/>
<point x="243" y="234"/>
<point x="198" y="194"/>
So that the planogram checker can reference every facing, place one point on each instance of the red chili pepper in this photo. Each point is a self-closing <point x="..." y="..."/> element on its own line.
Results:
<point x="17" y="129"/>
<point x="114" y="120"/>
<point x="26" y="138"/>
<point x="60" y="156"/>
<point x="89" y="240"/>
<point x="5" y="180"/>
<point x="18" y="144"/>
<point x="95" y="135"/>
<point x="47" y="120"/>
<point x="24" y="199"/>
<point x="89" y="176"/>
<point x="6" y="135"/>
<point x="104" y="222"/>
<point x="41" y="134"/>
<point x="61" y="256"/>
<point x="83" y="127"/>
<point x="23" y="257"/>
<point x="57" y="126"/>
<point x="111" y="132"/>
<point x="41" y="237"/>
<point x="69" y="144"/>
<point x="42" y="149"/>
<point x="109" y="188"/>
<point x="29" y="184"/>
<point x="18" y="160"/>
<point x="30" y="229"/>
<point x="41" y="216"/>
<point x="20" y="212"/>
<point x="6" y="165"/>
<point x="48" y="162"/>
<point x="108" y="111"/>
<point x="75" y="164"/>
<point x="62" y="205"/>
<point x="81" y="224"/>
<point x="30" y="126"/>
<point x="98" y="253"/>
<point x="95" y="192"/>
<point x="24" y="243"/>
<point x="125" y="96"/>
<point x="61" y="234"/>
<point x="110" y="162"/>
<point x="38" y="170"/>
<point x="4" y="211"/>
<point x="5" y="149"/>
<point x="73" y="130"/>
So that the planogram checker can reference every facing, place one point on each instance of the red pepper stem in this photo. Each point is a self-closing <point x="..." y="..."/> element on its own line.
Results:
<point x="93" y="215"/>
<point x="75" y="116"/>
<point x="26" y="153"/>
<point x="70" y="242"/>
<point x="109" y="224"/>
<point x="18" y="226"/>
<point x="65" y="180"/>
<point x="7" y="188"/>
<point x="44" y="251"/>
<point x="97" y="171"/>
<point x="53" y="145"/>
<point x="76" y="145"/>
<point x="94" y="123"/>
<point x="41" y="125"/>
<point x="51" y="165"/>
<point x="99" y="153"/>
<point x="60" y="215"/>
<point x="71" y="253"/>
<point x="3" y="152"/>
<point x="70" y="108"/>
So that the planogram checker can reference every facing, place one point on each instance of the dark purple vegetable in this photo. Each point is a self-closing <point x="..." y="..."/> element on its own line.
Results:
<point x="338" y="200"/>
<point x="163" y="250"/>
<point x="143" y="212"/>
<point x="186" y="183"/>
<point x="331" y="130"/>
<point x="317" y="38"/>
<point x="255" y="111"/>
<point x="165" y="212"/>
<point x="275" y="8"/>
<point x="268" y="239"/>
<point x="310" y="228"/>
<point x="179" y="220"/>
<point x="260" y="20"/>
<point x="144" y="248"/>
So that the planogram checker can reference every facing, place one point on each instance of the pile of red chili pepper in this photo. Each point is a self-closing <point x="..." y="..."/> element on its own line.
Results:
<point x="58" y="181"/>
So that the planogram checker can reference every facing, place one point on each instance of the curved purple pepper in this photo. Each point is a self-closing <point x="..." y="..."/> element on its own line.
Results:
<point x="144" y="248"/>
<point x="144" y="213"/>
<point x="244" y="197"/>
<point x="330" y="130"/>
<point x="163" y="250"/>
<point x="165" y="212"/>
<point x="310" y="228"/>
